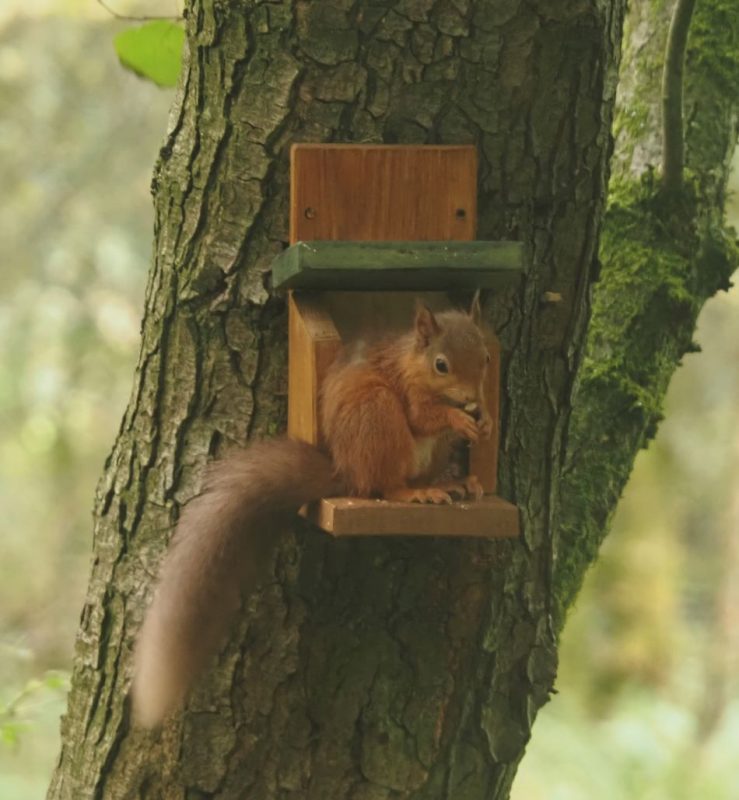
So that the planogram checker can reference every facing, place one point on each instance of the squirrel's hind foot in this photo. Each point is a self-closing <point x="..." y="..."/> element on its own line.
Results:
<point x="441" y="493"/>
<point x="469" y="488"/>
<point x="431" y="494"/>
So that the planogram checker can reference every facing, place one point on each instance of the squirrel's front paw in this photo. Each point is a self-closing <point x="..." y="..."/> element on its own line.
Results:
<point x="474" y="487"/>
<point x="463" y="424"/>
<point x="485" y="425"/>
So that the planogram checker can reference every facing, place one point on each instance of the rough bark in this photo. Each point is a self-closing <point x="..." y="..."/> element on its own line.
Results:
<point x="364" y="670"/>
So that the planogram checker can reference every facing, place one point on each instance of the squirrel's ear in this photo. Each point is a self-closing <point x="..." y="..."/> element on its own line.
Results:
<point x="475" y="310"/>
<point x="426" y="325"/>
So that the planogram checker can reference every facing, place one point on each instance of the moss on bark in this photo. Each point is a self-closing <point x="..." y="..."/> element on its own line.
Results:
<point x="662" y="258"/>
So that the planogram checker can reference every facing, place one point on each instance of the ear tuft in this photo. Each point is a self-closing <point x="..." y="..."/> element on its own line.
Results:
<point x="476" y="310"/>
<point x="426" y="325"/>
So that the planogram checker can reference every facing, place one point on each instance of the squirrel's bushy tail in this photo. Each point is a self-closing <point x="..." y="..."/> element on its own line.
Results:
<point x="221" y="549"/>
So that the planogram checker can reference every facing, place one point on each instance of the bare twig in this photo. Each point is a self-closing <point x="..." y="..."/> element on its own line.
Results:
<point x="673" y="134"/>
<point x="133" y="18"/>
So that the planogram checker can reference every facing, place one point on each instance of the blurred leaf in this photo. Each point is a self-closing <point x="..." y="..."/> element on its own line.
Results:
<point x="56" y="679"/>
<point x="153" y="51"/>
<point x="9" y="733"/>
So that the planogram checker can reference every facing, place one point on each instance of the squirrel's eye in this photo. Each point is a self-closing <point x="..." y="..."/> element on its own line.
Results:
<point x="441" y="365"/>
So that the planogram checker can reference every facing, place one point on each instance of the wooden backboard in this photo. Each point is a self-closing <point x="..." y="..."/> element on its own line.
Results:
<point x="383" y="192"/>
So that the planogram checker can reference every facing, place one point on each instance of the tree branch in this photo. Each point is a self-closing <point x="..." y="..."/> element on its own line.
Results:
<point x="673" y="138"/>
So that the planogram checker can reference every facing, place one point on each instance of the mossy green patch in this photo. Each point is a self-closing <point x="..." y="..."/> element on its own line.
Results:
<point x="661" y="259"/>
<point x="713" y="51"/>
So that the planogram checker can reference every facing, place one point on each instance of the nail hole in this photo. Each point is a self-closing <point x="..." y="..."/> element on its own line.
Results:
<point x="461" y="213"/>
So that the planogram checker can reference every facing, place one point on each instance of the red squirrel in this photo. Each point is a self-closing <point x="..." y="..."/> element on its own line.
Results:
<point x="382" y="414"/>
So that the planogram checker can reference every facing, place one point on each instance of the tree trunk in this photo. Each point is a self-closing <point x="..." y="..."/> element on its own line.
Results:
<point x="375" y="669"/>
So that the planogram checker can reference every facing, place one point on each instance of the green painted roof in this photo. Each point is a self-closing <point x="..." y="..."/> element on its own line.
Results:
<point x="398" y="265"/>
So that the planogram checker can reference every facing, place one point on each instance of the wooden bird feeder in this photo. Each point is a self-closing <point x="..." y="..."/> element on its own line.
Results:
<point x="372" y="227"/>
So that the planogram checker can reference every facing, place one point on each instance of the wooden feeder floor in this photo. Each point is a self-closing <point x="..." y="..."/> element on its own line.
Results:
<point x="492" y="517"/>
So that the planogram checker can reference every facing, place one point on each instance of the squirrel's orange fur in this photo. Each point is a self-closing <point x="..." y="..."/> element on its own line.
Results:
<point x="382" y="414"/>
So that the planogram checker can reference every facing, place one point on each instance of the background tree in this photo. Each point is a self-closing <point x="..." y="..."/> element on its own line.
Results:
<point x="381" y="669"/>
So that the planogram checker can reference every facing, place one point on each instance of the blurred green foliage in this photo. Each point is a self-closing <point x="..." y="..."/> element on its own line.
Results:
<point x="78" y="138"/>
<point x="648" y="702"/>
<point x="14" y="709"/>
<point x="644" y="749"/>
